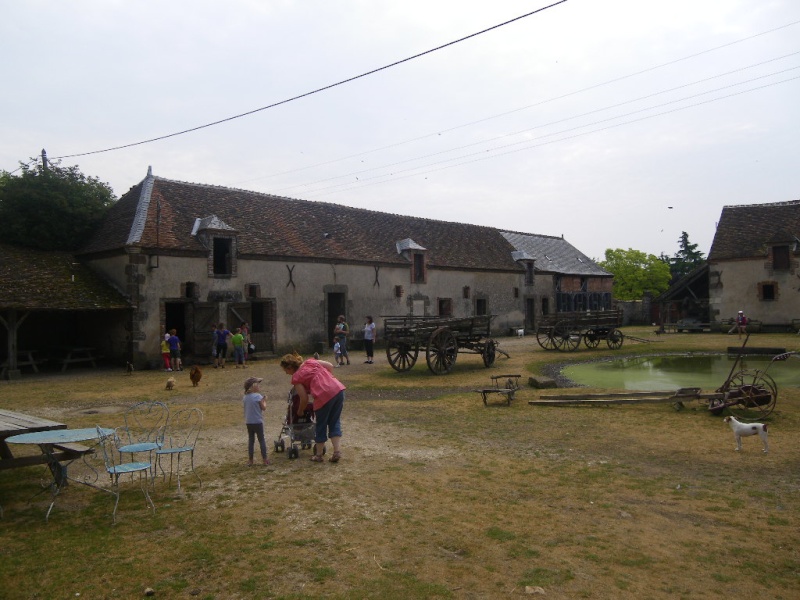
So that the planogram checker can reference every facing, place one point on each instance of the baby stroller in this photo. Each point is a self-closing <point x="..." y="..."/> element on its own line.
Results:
<point x="299" y="430"/>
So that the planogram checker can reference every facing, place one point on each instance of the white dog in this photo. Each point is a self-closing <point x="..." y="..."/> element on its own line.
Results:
<point x="741" y="430"/>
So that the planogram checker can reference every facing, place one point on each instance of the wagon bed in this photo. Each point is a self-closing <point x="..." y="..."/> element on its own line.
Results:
<point x="440" y="337"/>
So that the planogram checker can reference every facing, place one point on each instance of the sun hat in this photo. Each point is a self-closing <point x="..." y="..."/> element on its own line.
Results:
<point x="251" y="381"/>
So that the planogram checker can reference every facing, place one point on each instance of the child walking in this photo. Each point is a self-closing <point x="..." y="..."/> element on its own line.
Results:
<point x="165" y="354"/>
<point x="238" y="349"/>
<point x="337" y="353"/>
<point x="255" y="403"/>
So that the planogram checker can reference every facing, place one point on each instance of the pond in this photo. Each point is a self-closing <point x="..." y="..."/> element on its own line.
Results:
<point x="671" y="372"/>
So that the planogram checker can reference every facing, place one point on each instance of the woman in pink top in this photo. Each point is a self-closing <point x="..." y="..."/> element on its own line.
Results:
<point x="315" y="378"/>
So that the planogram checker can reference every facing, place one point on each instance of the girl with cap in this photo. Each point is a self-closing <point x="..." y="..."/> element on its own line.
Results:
<point x="315" y="378"/>
<point x="255" y="403"/>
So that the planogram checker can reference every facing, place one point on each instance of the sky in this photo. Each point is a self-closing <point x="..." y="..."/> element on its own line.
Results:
<point x="617" y="124"/>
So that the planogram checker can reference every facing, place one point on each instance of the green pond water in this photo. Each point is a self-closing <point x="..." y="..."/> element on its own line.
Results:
<point x="667" y="373"/>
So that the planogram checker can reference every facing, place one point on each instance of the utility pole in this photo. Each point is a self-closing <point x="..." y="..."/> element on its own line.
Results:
<point x="44" y="160"/>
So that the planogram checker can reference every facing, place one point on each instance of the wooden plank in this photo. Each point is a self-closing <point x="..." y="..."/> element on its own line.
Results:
<point x="606" y="401"/>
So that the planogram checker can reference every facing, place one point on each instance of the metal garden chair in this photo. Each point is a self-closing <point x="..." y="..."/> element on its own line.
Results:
<point x="183" y="430"/>
<point x="109" y="444"/>
<point x="145" y="425"/>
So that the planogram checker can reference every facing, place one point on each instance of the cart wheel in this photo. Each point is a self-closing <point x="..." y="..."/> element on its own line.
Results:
<point x="277" y="446"/>
<point x="401" y="355"/>
<point x="442" y="351"/>
<point x="282" y="444"/>
<point x="753" y="395"/>
<point x="591" y="338"/>
<point x="544" y="335"/>
<point x="293" y="452"/>
<point x="615" y="339"/>
<point x="489" y="352"/>
<point x="566" y="339"/>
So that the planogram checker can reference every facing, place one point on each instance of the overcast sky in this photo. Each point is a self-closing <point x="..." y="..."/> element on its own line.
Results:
<point x="615" y="123"/>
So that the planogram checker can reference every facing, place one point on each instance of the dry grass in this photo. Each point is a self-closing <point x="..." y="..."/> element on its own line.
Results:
<point x="437" y="495"/>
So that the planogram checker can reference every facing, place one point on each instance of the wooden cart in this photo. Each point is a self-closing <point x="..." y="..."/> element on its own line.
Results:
<point x="440" y="337"/>
<point x="564" y="331"/>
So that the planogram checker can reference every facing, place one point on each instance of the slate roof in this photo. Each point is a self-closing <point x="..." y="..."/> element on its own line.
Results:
<point x="161" y="213"/>
<point x="555" y="254"/>
<point x="744" y="230"/>
<point x="38" y="280"/>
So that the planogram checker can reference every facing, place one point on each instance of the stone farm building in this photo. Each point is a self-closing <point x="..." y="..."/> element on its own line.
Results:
<point x="754" y="264"/>
<point x="187" y="256"/>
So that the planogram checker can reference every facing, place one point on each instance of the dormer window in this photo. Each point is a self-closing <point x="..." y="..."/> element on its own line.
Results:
<point x="418" y="270"/>
<point x="220" y="241"/>
<point x="223" y="256"/>
<point x="414" y="254"/>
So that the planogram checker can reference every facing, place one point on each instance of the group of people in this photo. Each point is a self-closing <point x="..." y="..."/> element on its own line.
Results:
<point x="340" y="333"/>
<point x="240" y="340"/>
<point x="312" y="379"/>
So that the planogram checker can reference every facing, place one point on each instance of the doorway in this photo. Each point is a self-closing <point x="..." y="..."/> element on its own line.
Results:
<point x="336" y="305"/>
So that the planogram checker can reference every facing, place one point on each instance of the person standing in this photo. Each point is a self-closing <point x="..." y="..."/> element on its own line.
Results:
<point x="245" y="328"/>
<point x="255" y="403"/>
<point x="221" y="336"/>
<point x="166" y="356"/>
<point x="238" y="348"/>
<point x="741" y="323"/>
<point x="175" y="350"/>
<point x="370" y="335"/>
<point x="315" y="378"/>
<point x="340" y="333"/>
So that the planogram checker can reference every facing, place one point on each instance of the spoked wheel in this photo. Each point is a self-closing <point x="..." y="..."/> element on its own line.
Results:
<point x="592" y="339"/>
<point x="489" y="352"/>
<point x="615" y="339"/>
<point x="401" y="355"/>
<point x="544" y="335"/>
<point x="442" y="351"/>
<point x="565" y="338"/>
<point x="753" y="395"/>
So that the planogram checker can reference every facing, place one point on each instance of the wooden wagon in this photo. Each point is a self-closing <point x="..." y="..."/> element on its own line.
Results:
<point x="564" y="331"/>
<point x="441" y="338"/>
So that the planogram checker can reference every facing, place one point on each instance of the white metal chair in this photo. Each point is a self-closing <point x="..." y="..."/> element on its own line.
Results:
<point x="183" y="430"/>
<point x="109" y="444"/>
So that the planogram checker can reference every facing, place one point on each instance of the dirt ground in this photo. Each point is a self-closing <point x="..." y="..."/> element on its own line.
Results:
<point x="439" y="496"/>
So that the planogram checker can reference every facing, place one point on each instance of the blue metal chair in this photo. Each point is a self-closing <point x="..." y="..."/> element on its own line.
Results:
<point x="109" y="443"/>
<point x="183" y="430"/>
<point x="145" y="425"/>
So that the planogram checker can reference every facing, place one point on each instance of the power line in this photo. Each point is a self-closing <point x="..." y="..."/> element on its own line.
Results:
<point x="483" y="155"/>
<point x="318" y="90"/>
<point x="597" y="110"/>
<point x="515" y="110"/>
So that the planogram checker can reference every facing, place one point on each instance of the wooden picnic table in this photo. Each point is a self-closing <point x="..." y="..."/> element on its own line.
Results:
<point x="24" y="358"/>
<point x="14" y="423"/>
<point x="78" y="355"/>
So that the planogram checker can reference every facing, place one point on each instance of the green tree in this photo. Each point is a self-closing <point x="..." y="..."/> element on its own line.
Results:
<point x="51" y="207"/>
<point x="686" y="259"/>
<point x="635" y="273"/>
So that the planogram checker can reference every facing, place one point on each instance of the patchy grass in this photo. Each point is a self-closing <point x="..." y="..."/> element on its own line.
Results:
<point x="437" y="496"/>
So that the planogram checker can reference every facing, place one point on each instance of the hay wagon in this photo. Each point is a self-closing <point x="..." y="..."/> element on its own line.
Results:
<point x="441" y="338"/>
<point x="564" y="331"/>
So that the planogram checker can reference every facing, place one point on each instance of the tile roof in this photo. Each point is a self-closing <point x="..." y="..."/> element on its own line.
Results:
<point x="161" y="213"/>
<point x="744" y="230"/>
<point x="554" y="254"/>
<point x="38" y="280"/>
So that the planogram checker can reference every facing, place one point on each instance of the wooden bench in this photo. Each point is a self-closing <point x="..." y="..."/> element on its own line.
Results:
<point x="511" y="385"/>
